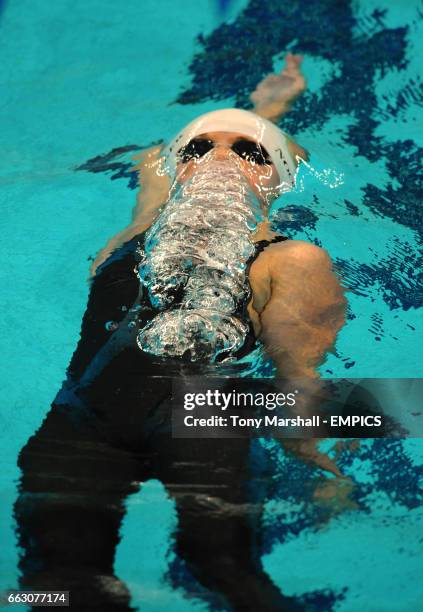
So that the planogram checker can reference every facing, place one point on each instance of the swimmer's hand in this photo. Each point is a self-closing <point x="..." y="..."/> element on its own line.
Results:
<point x="275" y="94"/>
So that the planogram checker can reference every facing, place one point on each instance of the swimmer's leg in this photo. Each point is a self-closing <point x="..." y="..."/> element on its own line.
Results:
<point x="69" y="510"/>
<point x="217" y="533"/>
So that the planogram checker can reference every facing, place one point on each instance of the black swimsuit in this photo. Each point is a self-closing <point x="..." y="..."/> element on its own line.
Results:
<point x="119" y="306"/>
<point x="105" y="435"/>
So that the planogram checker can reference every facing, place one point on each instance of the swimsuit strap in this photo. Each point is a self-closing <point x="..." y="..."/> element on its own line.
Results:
<point x="262" y="244"/>
<point x="279" y="239"/>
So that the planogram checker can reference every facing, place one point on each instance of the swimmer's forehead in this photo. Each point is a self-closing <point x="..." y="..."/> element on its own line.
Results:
<point x="229" y="137"/>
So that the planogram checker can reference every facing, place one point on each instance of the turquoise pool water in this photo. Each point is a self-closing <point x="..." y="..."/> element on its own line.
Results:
<point x="80" y="79"/>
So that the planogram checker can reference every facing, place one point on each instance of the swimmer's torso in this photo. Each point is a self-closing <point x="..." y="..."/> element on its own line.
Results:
<point x="174" y="299"/>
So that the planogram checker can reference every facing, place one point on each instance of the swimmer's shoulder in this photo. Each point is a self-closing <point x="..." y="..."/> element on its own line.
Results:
<point x="298" y="248"/>
<point x="282" y="251"/>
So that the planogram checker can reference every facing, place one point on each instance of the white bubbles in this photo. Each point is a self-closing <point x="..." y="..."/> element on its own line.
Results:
<point x="200" y="334"/>
<point x="194" y="263"/>
<point x="328" y="177"/>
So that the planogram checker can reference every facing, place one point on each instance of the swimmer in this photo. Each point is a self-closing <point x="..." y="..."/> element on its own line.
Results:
<point x="188" y="288"/>
<point x="296" y="303"/>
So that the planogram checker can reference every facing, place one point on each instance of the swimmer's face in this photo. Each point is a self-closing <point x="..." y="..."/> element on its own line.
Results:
<point x="254" y="160"/>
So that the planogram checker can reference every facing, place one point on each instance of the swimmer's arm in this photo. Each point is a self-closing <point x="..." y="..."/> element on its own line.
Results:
<point x="154" y="189"/>
<point x="275" y="94"/>
<point x="153" y="192"/>
<point x="301" y="306"/>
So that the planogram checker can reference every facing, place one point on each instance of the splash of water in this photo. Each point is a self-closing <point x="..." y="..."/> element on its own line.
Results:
<point x="328" y="176"/>
<point x="194" y="264"/>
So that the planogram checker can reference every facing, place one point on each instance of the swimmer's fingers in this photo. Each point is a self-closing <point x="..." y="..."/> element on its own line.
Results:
<point x="292" y="63"/>
<point x="292" y="69"/>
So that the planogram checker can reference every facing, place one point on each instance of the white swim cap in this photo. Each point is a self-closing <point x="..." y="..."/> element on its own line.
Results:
<point x="273" y="139"/>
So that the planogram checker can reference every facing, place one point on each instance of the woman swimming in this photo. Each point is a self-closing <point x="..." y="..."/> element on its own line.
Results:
<point x="188" y="288"/>
<point x="225" y="169"/>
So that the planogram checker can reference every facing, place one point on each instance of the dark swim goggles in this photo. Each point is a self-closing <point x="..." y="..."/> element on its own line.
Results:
<point x="246" y="149"/>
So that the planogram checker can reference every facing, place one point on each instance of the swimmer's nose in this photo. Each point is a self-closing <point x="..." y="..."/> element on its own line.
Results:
<point x="222" y="152"/>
